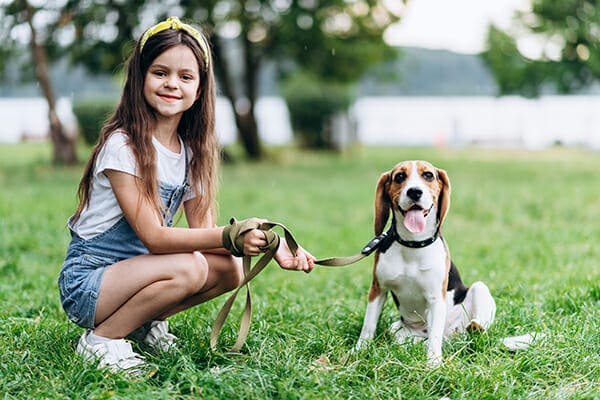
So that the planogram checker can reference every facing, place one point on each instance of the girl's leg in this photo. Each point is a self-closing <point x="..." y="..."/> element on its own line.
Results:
<point x="142" y="288"/>
<point x="222" y="277"/>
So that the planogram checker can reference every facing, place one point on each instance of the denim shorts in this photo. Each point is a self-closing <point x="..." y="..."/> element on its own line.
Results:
<point x="79" y="285"/>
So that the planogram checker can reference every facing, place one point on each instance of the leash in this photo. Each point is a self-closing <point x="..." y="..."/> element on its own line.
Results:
<point x="231" y="240"/>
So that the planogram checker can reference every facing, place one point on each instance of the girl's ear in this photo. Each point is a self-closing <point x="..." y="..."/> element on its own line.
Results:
<point x="444" y="199"/>
<point x="382" y="203"/>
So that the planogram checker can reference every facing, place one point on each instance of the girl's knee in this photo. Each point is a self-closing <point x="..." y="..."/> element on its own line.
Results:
<point x="193" y="273"/>
<point x="232" y="274"/>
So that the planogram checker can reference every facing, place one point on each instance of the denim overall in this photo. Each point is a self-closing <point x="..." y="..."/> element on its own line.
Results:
<point x="86" y="260"/>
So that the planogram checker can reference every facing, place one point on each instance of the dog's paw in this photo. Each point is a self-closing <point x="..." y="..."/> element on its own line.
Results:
<point x="434" y="360"/>
<point x="396" y="326"/>
<point x="475" y="327"/>
<point x="361" y="344"/>
<point x="404" y="335"/>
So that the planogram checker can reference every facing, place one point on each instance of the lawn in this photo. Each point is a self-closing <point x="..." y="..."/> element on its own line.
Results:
<point x="526" y="223"/>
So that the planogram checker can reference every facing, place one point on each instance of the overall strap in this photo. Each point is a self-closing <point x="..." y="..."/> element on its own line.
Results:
<point x="187" y="167"/>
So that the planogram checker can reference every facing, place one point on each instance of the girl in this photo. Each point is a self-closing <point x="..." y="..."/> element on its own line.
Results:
<point x="127" y="269"/>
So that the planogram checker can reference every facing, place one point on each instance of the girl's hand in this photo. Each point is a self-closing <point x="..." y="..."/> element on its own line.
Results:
<point x="253" y="241"/>
<point x="304" y="261"/>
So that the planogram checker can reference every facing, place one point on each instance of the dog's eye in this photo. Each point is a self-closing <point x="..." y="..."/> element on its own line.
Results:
<point x="400" y="177"/>
<point x="428" y="176"/>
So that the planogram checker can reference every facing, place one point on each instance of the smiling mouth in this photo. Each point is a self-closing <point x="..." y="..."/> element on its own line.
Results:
<point x="168" y="97"/>
<point x="416" y="207"/>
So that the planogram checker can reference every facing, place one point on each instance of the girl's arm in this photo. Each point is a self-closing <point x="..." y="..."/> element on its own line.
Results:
<point x="142" y="217"/>
<point x="196" y="220"/>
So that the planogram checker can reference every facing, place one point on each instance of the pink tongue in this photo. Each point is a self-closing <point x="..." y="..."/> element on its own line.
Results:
<point x="414" y="221"/>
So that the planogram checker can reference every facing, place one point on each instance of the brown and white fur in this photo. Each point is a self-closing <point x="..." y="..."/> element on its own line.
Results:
<point x="432" y="300"/>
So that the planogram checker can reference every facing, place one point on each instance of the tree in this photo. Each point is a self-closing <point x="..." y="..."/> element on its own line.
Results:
<point x="570" y="58"/>
<point x="19" y="13"/>
<point x="513" y="72"/>
<point x="338" y="39"/>
<point x="340" y="36"/>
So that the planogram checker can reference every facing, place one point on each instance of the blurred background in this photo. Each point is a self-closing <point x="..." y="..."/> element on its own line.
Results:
<point x="324" y="74"/>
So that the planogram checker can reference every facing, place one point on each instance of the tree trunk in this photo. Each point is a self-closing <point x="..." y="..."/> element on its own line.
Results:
<point x="245" y="119"/>
<point x="248" y="120"/>
<point x="63" y="145"/>
<point x="248" y="128"/>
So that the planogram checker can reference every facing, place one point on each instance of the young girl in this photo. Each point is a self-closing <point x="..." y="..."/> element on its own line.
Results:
<point x="127" y="269"/>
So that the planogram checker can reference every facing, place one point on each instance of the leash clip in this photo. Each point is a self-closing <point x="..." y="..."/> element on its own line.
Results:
<point x="373" y="244"/>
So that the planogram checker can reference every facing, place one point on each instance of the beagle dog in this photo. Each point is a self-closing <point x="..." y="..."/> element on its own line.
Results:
<point x="413" y="263"/>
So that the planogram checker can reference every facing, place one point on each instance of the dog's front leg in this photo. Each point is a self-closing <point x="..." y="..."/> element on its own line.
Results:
<point x="436" y="320"/>
<point x="374" y="308"/>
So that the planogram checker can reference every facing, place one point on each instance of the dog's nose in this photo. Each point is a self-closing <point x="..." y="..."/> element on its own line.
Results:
<point x="414" y="193"/>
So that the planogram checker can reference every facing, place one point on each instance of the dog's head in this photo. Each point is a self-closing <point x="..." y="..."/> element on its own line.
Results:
<point x="413" y="190"/>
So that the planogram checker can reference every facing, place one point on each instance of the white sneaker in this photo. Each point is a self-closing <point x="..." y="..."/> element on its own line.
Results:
<point x="116" y="355"/>
<point x="158" y="336"/>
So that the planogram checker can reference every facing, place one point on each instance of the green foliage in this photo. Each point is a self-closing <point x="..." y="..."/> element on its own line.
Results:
<point x="331" y="44"/>
<point x="532" y="241"/>
<point x="13" y="23"/>
<point x="91" y="115"/>
<point x="312" y="104"/>
<point x="7" y="50"/>
<point x="105" y="33"/>
<point x="513" y="72"/>
<point x="336" y="40"/>
<point x="570" y="27"/>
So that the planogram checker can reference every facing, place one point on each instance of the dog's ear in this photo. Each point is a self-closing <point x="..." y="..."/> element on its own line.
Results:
<point x="382" y="202"/>
<point x="444" y="199"/>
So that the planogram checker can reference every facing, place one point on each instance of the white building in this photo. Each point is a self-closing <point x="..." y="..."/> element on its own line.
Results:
<point x="388" y="121"/>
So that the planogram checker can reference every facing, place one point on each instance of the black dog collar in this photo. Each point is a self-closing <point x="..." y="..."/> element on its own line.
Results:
<point x="413" y="244"/>
<point x="417" y="244"/>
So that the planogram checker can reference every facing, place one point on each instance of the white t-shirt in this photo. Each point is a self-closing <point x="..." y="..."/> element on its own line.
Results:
<point x="103" y="210"/>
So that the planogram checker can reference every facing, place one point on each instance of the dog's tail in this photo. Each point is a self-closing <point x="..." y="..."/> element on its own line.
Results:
<point x="515" y="343"/>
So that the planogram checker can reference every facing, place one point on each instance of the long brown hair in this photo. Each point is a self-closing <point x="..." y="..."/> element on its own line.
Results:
<point x="135" y="118"/>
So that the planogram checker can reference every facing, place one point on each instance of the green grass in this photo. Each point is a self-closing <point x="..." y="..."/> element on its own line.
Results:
<point x="526" y="223"/>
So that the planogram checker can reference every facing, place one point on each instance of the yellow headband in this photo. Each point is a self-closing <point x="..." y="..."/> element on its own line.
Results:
<point x="175" y="23"/>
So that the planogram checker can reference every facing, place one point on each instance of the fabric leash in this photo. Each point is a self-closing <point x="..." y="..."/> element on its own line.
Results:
<point x="249" y="273"/>
<point x="269" y="252"/>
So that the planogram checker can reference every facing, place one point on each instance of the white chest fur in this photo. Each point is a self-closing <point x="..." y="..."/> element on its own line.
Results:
<point x="415" y="276"/>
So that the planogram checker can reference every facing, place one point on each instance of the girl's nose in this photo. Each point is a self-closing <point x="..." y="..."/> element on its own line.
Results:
<point x="171" y="81"/>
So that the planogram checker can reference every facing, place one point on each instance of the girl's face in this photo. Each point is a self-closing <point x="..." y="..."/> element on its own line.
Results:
<point x="172" y="82"/>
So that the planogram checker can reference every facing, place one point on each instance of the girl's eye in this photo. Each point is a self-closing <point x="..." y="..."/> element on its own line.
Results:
<point x="428" y="176"/>
<point x="187" y="77"/>
<point x="400" y="177"/>
<point x="159" y="73"/>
